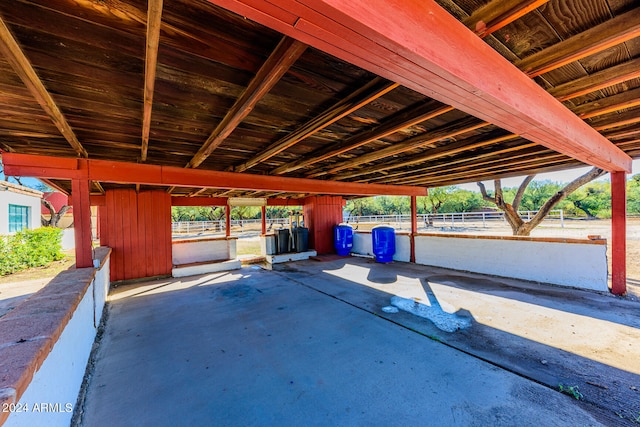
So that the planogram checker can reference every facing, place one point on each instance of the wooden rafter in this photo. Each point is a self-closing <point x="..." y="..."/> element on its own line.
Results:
<point x="282" y="58"/>
<point x="608" y="77"/>
<point x="197" y="192"/>
<point x="616" y="120"/>
<point x="498" y="13"/>
<point x="356" y="100"/>
<point x="404" y="120"/>
<point x="23" y="68"/>
<point x="609" y="104"/>
<point x="596" y="39"/>
<point x="154" y="21"/>
<point x="448" y="131"/>
<point x="436" y="153"/>
<point x="469" y="161"/>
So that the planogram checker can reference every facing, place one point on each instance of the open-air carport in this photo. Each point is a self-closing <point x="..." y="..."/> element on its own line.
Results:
<point x="137" y="106"/>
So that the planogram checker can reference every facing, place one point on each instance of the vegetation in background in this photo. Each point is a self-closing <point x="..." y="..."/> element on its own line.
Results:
<point x="216" y="213"/>
<point x="30" y="248"/>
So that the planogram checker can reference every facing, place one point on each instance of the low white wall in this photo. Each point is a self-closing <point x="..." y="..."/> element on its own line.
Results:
<point x="363" y="245"/>
<point x="51" y="395"/>
<point x="68" y="239"/>
<point x="203" y="250"/>
<point x="565" y="262"/>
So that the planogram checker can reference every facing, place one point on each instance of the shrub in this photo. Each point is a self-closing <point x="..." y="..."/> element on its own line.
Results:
<point x="30" y="248"/>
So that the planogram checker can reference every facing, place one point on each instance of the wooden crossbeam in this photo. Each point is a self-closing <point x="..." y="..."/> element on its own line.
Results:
<point x="499" y="13"/>
<point x="281" y="59"/>
<point x="403" y="120"/>
<point x="436" y="153"/>
<point x="146" y="174"/>
<point x="154" y="21"/>
<point x="451" y="130"/>
<point x="23" y="68"/>
<point x="356" y="100"/>
<point x="608" y="77"/>
<point x="627" y="99"/>
<point x="596" y="39"/>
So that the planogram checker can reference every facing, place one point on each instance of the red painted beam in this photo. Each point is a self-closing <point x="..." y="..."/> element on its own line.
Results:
<point x="227" y="220"/>
<point x="198" y="201"/>
<point x="285" y="202"/>
<point x="136" y="173"/>
<point x="618" y="233"/>
<point x="263" y="221"/>
<point x="421" y="46"/>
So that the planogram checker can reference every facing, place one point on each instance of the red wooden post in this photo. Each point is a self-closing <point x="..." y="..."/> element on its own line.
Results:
<point x="618" y="233"/>
<point x="227" y="220"/>
<point x="414" y="227"/>
<point x="264" y="220"/>
<point x="82" y="222"/>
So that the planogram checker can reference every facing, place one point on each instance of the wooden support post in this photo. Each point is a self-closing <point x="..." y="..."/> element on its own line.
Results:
<point x="82" y="222"/>
<point x="264" y="220"/>
<point x="618" y="233"/>
<point x="414" y="227"/>
<point x="227" y="219"/>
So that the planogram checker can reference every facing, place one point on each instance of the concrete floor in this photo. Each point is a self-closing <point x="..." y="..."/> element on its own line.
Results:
<point x="309" y="344"/>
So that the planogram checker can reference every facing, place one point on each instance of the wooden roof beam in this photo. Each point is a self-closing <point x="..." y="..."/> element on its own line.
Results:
<point x="424" y="48"/>
<point x="608" y="77"/>
<point x="499" y="13"/>
<point x="401" y="121"/>
<point x="356" y="100"/>
<point x="23" y="68"/>
<point x="281" y="59"/>
<point x="616" y="120"/>
<point x="596" y="39"/>
<point x="154" y="21"/>
<point x="436" y="153"/>
<point x="146" y="174"/>
<point x="474" y="157"/>
<point x="451" y="130"/>
<point x="621" y="101"/>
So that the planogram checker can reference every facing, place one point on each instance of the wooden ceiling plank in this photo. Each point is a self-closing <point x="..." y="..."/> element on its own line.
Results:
<point x="23" y="68"/>
<point x="278" y="63"/>
<point x="608" y="77"/>
<point x="621" y="101"/>
<point x="596" y="39"/>
<point x="499" y="13"/>
<point x="154" y="21"/>
<point x="404" y="120"/>
<point x="356" y="100"/>
<point x="451" y="130"/>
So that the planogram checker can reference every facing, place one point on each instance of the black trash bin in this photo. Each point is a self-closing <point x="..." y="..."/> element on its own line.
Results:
<point x="301" y="239"/>
<point x="282" y="241"/>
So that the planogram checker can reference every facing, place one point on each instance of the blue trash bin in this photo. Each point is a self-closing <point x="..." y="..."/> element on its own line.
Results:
<point x="343" y="239"/>
<point x="383" y="239"/>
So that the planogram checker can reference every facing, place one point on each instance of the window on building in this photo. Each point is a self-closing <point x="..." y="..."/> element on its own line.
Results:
<point x="18" y="218"/>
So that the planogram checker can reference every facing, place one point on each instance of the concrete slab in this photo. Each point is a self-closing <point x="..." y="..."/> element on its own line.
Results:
<point x="205" y="268"/>
<point x="302" y="345"/>
<point x="291" y="256"/>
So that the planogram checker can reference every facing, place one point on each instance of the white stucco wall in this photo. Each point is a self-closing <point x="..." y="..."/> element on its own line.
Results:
<point x="203" y="250"/>
<point x="51" y="396"/>
<point x="11" y="194"/>
<point x="565" y="262"/>
<point x="362" y="245"/>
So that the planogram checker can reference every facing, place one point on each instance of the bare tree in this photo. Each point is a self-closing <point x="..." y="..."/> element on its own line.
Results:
<point x="55" y="216"/>
<point x="518" y="225"/>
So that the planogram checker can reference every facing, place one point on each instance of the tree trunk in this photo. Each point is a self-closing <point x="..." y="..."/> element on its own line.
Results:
<point x="518" y="225"/>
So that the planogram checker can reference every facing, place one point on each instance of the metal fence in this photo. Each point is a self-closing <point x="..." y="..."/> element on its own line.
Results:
<point x="425" y="221"/>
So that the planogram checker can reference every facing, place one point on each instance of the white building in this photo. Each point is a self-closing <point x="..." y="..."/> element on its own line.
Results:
<point x="19" y="208"/>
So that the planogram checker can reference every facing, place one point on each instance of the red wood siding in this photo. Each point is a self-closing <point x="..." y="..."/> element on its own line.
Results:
<point x="137" y="227"/>
<point x="321" y="214"/>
